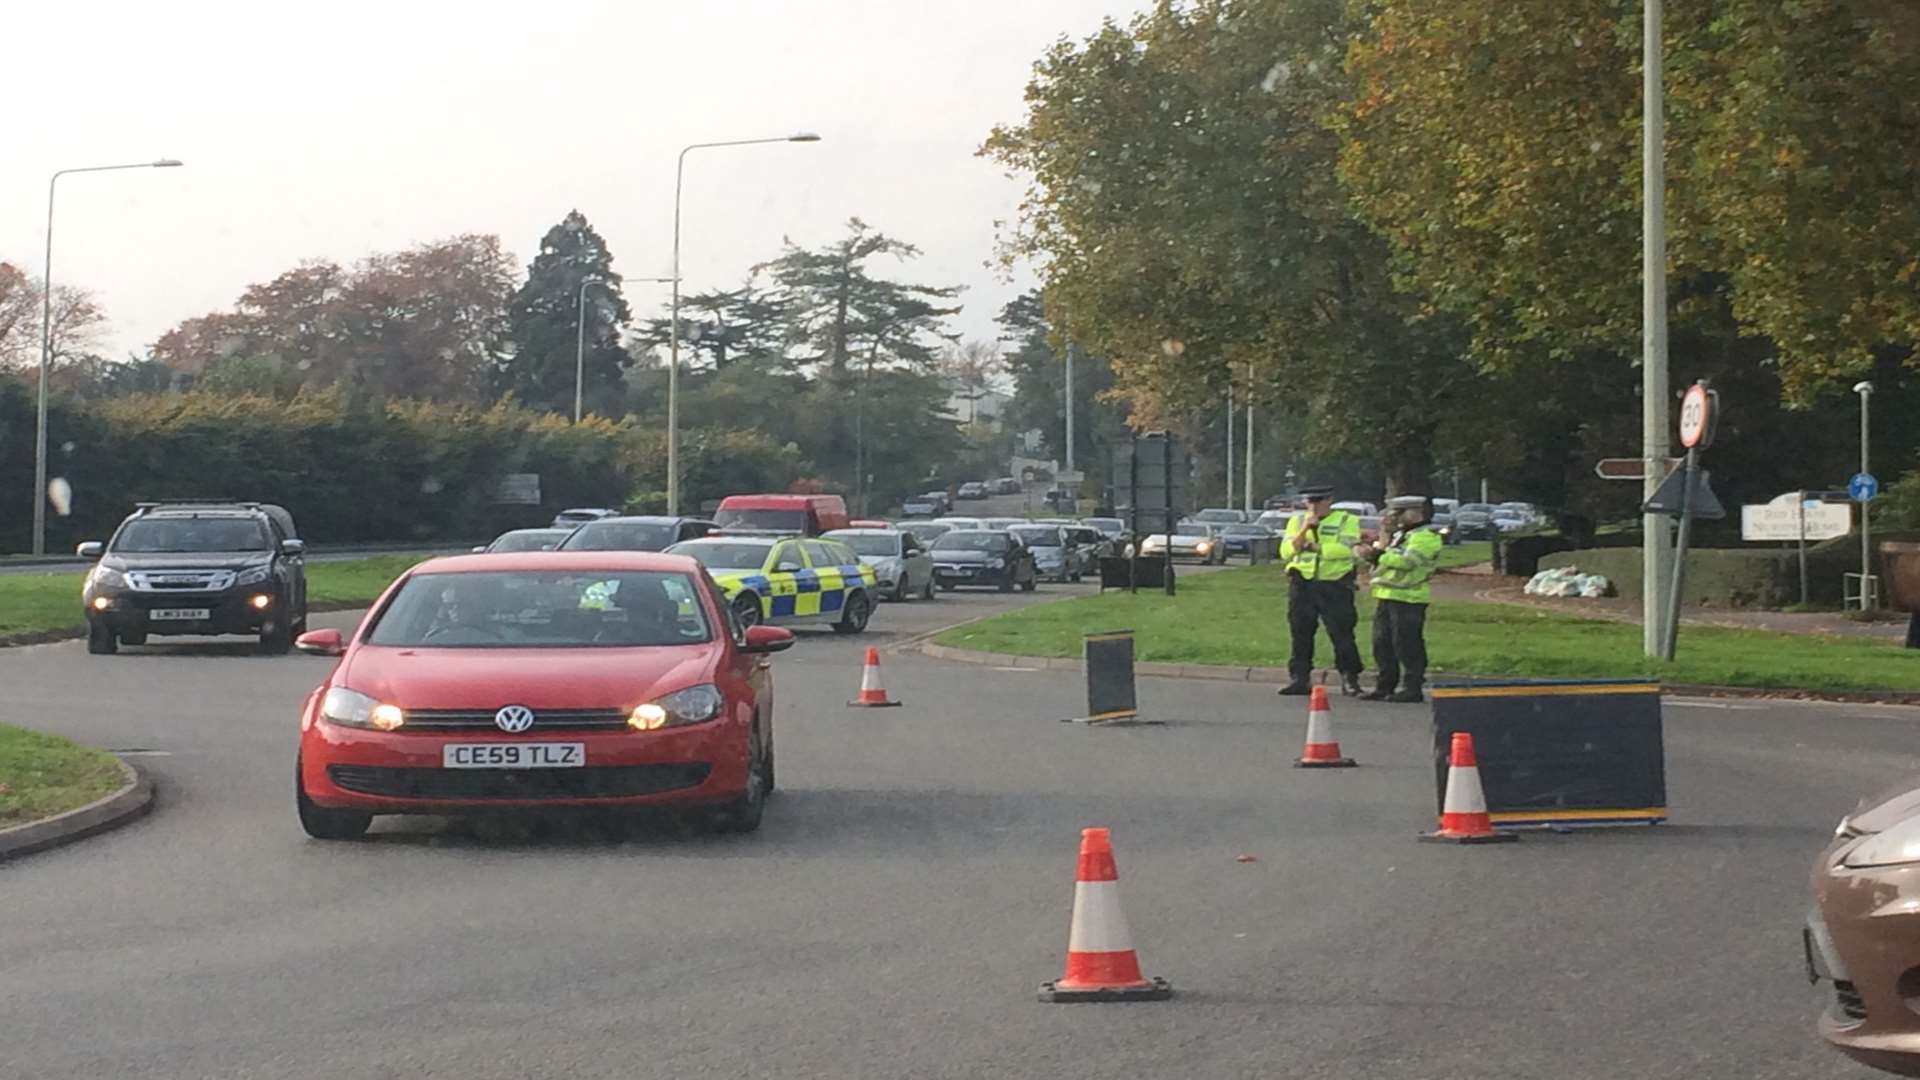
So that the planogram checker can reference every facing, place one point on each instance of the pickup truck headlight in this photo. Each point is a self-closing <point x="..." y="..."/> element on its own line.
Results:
<point x="104" y="577"/>
<point x="254" y="576"/>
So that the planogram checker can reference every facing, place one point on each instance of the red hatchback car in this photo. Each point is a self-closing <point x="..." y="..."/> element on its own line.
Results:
<point x="540" y="679"/>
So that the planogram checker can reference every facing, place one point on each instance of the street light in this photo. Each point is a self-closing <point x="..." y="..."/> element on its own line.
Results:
<point x="673" y="347"/>
<point x="580" y="338"/>
<point x="46" y="349"/>
<point x="1865" y="390"/>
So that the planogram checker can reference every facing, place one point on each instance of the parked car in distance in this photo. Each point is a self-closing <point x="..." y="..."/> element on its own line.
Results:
<point x="1238" y="539"/>
<point x="1220" y="516"/>
<point x="960" y="522"/>
<point x="482" y="683"/>
<point x="1275" y="519"/>
<point x="869" y="523"/>
<point x="1003" y="522"/>
<point x="1005" y="485"/>
<point x="196" y="568"/>
<point x="1361" y="509"/>
<point x="1474" y="521"/>
<point x="1091" y="542"/>
<point x="972" y="489"/>
<point x="898" y="559"/>
<point x="985" y="558"/>
<point x="1443" y="524"/>
<point x="1120" y="544"/>
<point x="580" y="515"/>
<point x="803" y="515"/>
<point x="1284" y="502"/>
<point x="924" y="505"/>
<point x="1445" y="506"/>
<point x="638" y="533"/>
<point x="1196" y="540"/>
<point x="926" y="531"/>
<point x="526" y="540"/>
<point x="1506" y="519"/>
<point x="1053" y="557"/>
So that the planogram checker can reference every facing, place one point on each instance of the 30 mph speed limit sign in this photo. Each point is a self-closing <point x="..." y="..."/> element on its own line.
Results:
<point x="1696" y="416"/>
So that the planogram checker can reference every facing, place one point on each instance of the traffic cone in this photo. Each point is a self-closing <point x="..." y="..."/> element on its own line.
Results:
<point x="1463" y="816"/>
<point x="872" y="694"/>
<point x="1323" y="750"/>
<point x="1101" y="964"/>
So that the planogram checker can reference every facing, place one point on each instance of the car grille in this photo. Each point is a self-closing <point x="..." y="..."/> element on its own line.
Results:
<point x="605" y="782"/>
<point x="543" y="719"/>
<point x="1852" y="1005"/>
<point x="181" y="580"/>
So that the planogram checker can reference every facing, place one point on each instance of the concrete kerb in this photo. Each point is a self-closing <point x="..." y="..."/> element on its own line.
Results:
<point x="133" y="799"/>
<point x="69" y="633"/>
<point x="1272" y="675"/>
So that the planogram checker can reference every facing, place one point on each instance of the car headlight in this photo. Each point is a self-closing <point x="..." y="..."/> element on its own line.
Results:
<point x="1203" y="547"/>
<point x="1900" y="844"/>
<point x="351" y="708"/>
<point x="254" y="576"/>
<point x="107" y="578"/>
<point x="694" y="705"/>
<point x="996" y="563"/>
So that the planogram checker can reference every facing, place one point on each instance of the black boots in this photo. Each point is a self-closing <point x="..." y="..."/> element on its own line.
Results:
<point x="1297" y="688"/>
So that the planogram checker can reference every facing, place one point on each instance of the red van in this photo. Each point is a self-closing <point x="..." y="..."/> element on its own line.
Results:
<point x="807" y="515"/>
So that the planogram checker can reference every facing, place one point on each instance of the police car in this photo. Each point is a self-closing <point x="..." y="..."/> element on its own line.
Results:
<point x="788" y="580"/>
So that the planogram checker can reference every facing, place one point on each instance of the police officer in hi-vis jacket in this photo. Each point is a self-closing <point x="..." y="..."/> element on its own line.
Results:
<point x="1318" y="547"/>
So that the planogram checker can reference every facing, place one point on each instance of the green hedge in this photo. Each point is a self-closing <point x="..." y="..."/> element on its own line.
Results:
<point x="1751" y="577"/>
<point x="355" y="471"/>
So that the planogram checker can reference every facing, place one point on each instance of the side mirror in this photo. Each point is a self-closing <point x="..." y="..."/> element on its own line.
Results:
<point x="786" y="566"/>
<point x="482" y="549"/>
<point x="92" y="549"/>
<point x="293" y="547"/>
<point x="767" y="639"/>
<point x="324" y="643"/>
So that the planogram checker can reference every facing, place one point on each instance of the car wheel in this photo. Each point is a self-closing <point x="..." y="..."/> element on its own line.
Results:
<point x="901" y="592"/>
<point x="1006" y="583"/>
<point x="1030" y="584"/>
<point x="746" y="608"/>
<point x="322" y="823"/>
<point x="926" y="591"/>
<point x="743" y="814"/>
<point x="100" y="639"/>
<point x="277" y="638"/>
<point x="854" y="619"/>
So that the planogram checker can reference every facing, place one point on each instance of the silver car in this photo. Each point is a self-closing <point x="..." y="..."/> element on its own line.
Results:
<point x="898" y="559"/>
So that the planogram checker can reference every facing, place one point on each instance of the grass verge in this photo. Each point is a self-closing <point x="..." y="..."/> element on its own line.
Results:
<point x="41" y="775"/>
<point x="1466" y="553"/>
<point x="1238" y="618"/>
<point x="42" y="603"/>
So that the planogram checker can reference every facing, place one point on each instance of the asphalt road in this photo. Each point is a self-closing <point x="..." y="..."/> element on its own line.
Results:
<point x="910" y="889"/>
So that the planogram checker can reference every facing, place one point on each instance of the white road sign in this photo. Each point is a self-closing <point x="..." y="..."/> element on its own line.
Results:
<point x="1779" y="520"/>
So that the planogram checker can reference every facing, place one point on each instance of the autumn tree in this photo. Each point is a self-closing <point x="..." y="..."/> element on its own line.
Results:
<point x="78" y="321"/>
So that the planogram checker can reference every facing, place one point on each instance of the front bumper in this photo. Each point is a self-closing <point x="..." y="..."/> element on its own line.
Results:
<point x="969" y="574"/>
<point x="229" y="611"/>
<point x="1863" y="938"/>
<point x="399" y="772"/>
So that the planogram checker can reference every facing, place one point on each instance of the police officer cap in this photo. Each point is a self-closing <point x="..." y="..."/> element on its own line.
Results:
<point x="1407" y="502"/>
<point x="1317" y="491"/>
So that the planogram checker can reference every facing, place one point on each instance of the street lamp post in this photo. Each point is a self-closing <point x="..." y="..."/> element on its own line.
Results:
<point x="46" y="349"/>
<point x="1655" y="555"/>
<point x="580" y="345"/>
<point x="1865" y="390"/>
<point x="673" y="346"/>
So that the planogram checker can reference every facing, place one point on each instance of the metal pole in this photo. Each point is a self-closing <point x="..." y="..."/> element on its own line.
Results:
<point x="1801" y="498"/>
<point x="1229" y="442"/>
<point x="1866" y="506"/>
<point x="580" y="347"/>
<point x="1067" y="396"/>
<point x="1247" y="503"/>
<point x="1167" y="548"/>
<point x="1672" y="636"/>
<point x="46" y="349"/>
<point x="673" y="341"/>
<point x="1484" y="497"/>
<point x="1654" y="390"/>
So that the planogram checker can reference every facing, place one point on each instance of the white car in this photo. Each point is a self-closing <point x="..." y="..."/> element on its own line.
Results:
<point x="898" y="559"/>
<point x="1358" y="509"/>
<point x="1196" y="540"/>
<point x="961" y="524"/>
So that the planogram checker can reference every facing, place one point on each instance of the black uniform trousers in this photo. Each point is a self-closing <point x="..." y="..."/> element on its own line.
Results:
<point x="1310" y="603"/>
<point x="1400" y="644"/>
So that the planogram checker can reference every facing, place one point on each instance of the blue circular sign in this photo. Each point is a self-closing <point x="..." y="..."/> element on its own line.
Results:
<point x="1863" y="487"/>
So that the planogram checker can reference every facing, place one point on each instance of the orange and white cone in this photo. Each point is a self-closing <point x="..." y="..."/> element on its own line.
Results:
<point x="1323" y="750"/>
<point x="872" y="694"/>
<point x="1463" y="814"/>
<point x="1101" y="963"/>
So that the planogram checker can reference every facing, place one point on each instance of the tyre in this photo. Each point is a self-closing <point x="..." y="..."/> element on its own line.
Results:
<point x="1030" y="584"/>
<point x="926" y="591"/>
<point x="746" y="608"/>
<point x="1006" y="583"/>
<point x="101" y="640"/>
<point x="277" y="638"/>
<point x="743" y="814"/>
<point x="324" y="824"/>
<point x="901" y="593"/>
<point x="854" y="618"/>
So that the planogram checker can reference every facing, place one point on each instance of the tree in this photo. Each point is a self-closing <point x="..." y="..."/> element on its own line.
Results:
<point x="544" y="321"/>
<point x="744" y="325"/>
<point x="971" y="368"/>
<point x="1497" y="146"/>
<point x="77" y="321"/>
<point x="842" y="313"/>
<point x="1186" y="219"/>
<point x="1039" y="377"/>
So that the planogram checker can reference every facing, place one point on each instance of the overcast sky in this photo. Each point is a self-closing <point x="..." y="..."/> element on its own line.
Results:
<point x="337" y="129"/>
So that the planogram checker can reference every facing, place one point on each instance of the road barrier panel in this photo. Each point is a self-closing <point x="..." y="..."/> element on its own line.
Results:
<point x="1558" y="753"/>
<point x="1108" y="660"/>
